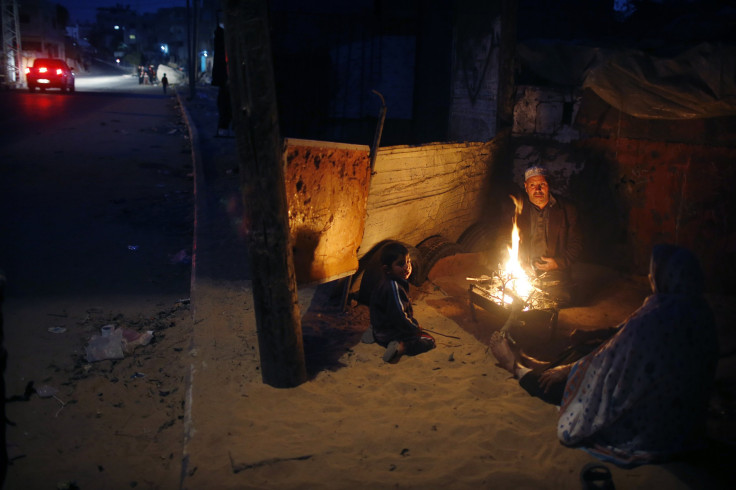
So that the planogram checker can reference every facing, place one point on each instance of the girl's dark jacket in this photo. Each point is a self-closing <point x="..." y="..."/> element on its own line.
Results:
<point x="391" y="313"/>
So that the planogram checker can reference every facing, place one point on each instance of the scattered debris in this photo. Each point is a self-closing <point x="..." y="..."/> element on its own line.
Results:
<point x="46" y="391"/>
<point x="108" y="345"/>
<point x="133" y="339"/>
<point x="114" y="343"/>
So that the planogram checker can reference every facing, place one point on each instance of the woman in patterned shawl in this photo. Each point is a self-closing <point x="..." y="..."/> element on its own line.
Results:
<point x="641" y="397"/>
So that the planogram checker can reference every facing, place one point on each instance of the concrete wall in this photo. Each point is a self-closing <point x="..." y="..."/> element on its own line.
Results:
<point x="474" y="91"/>
<point x="546" y="113"/>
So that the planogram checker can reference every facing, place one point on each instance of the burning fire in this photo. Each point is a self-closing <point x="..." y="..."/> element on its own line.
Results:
<point x="512" y="273"/>
<point x="510" y="285"/>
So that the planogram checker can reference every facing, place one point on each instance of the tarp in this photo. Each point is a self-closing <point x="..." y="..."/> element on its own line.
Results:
<point x="697" y="83"/>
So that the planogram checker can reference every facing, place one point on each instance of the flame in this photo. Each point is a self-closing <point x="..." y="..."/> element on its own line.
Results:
<point x="518" y="280"/>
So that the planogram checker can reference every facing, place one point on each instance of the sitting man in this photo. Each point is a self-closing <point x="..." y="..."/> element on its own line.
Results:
<point x="550" y="240"/>
<point x="642" y="395"/>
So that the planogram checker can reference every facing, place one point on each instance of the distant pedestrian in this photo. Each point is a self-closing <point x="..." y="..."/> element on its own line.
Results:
<point x="164" y="82"/>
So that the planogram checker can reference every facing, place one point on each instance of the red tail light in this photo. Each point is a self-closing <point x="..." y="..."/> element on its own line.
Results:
<point x="59" y="71"/>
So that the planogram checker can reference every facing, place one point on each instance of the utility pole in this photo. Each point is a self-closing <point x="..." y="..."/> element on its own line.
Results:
<point x="256" y="126"/>
<point x="10" y="51"/>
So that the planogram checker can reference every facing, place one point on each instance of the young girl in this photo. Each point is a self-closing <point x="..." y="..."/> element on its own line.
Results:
<point x="391" y="314"/>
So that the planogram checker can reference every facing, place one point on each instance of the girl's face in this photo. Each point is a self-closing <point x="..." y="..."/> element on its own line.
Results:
<point x="401" y="267"/>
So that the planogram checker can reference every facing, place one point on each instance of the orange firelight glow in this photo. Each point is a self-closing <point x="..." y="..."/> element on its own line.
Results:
<point x="518" y="280"/>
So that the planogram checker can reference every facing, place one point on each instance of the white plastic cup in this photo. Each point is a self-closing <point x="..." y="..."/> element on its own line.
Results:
<point x="107" y="330"/>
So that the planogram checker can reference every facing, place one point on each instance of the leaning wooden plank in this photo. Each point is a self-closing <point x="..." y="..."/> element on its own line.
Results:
<point x="420" y="191"/>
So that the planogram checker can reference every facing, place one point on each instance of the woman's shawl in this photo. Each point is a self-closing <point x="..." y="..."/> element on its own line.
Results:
<point x="641" y="396"/>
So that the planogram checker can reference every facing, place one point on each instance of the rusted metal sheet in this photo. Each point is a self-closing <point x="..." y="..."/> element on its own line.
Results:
<point x="678" y="193"/>
<point x="326" y="190"/>
<point x="596" y="118"/>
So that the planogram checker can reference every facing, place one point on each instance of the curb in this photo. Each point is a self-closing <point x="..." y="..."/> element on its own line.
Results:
<point x="199" y="203"/>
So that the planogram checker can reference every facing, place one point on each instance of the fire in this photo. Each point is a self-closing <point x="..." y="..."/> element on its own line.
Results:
<point x="510" y="288"/>
<point x="516" y="277"/>
<point x="509" y="285"/>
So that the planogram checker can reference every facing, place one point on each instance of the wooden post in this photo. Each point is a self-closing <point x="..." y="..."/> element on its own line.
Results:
<point x="255" y="122"/>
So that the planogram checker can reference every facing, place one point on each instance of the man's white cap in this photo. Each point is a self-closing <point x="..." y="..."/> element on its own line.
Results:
<point x="534" y="171"/>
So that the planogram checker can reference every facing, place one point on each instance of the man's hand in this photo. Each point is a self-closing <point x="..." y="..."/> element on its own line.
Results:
<point x="554" y="375"/>
<point x="546" y="264"/>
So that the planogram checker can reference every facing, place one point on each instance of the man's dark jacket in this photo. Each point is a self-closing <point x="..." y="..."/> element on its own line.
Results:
<point x="564" y="240"/>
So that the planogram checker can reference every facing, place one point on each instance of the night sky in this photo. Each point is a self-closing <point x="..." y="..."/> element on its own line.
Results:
<point x="85" y="10"/>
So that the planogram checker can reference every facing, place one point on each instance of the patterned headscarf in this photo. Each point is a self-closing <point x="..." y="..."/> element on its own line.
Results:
<point x="643" y="395"/>
<point x="675" y="270"/>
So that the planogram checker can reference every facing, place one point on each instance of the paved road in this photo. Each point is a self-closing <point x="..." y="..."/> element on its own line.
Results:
<point x="95" y="193"/>
<point x="96" y="212"/>
<point x="95" y="200"/>
<point x="96" y="224"/>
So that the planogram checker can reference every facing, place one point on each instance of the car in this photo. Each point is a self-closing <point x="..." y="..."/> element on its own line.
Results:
<point x="50" y="73"/>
